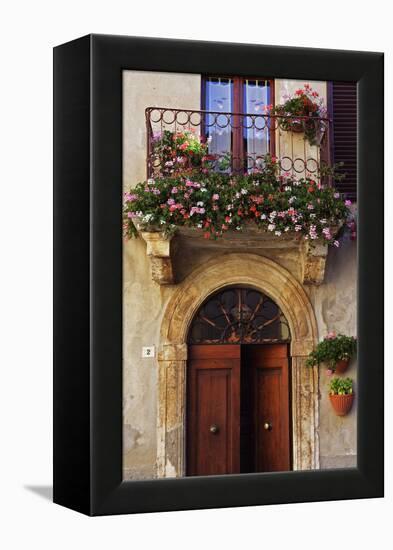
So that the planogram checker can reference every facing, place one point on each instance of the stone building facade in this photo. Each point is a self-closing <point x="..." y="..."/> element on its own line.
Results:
<point x="157" y="315"/>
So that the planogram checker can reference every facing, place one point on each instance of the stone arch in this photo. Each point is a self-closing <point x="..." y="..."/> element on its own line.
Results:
<point x="282" y="287"/>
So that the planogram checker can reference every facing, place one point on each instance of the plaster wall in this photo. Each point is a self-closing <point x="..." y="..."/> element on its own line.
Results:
<point x="144" y="301"/>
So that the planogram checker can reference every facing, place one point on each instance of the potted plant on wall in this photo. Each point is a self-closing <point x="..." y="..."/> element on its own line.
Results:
<point x="302" y="112"/>
<point x="341" y="395"/>
<point x="334" y="350"/>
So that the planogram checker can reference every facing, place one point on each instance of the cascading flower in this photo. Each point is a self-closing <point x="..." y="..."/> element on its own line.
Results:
<point x="224" y="202"/>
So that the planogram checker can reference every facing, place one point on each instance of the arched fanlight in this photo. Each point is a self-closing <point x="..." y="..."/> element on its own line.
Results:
<point x="239" y="315"/>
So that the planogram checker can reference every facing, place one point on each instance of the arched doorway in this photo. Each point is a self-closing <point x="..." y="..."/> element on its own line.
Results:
<point x="237" y="402"/>
<point x="273" y="280"/>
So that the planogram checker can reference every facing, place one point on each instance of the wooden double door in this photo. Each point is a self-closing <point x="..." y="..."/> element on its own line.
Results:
<point x="238" y="418"/>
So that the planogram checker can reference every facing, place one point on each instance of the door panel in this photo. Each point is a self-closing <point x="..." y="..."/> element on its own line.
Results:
<point x="237" y="409"/>
<point x="213" y="412"/>
<point x="268" y="371"/>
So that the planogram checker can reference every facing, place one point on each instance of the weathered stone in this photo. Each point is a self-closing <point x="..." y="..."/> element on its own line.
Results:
<point x="269" y="277"/>
<point x="312" y="257"/>
<point x="313" y="263"/>
<point x="159" y="251"/>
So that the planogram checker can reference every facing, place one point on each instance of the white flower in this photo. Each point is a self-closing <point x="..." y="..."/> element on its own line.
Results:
<point x="287" y="228"/>
<point x="263" y="216"/>
<point x="199" y="225"/>
<point x="271" y="226"/>
<point x="278" y="233"/>
<point x="199" y="203"/>
<point x="273" y="214"/>
<point x="237" y="195"/>
<point x="147" y="217"/>
<point x="203" y="189"/>
<point x="312" y="215"/>
<point x="244" y="191"/>
<point x="162" y="222"/>
<point x="287" y="188"/>
<point x="150" y="181"/>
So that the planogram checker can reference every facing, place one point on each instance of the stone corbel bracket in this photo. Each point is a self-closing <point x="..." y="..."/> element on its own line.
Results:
<point x="159" y="251"/>
<point x="313" y="263"/>
<point x="311" y="255"/>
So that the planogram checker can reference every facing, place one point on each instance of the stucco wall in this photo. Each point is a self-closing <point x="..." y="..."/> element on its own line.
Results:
<point x="335" y="308"/>
<point x="144" y="301"/>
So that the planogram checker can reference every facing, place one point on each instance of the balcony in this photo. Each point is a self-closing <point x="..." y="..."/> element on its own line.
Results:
<point x="238" y="142"/>
<point x="234" y="143"/>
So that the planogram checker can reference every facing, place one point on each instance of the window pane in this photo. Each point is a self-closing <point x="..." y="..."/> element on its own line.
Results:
<point x="218" y="99"/>
<point x="256" y="95"/>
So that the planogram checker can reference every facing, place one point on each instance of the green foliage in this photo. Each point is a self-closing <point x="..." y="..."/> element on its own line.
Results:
<point x="215" y="203"/>
<point x="332" y="349"/>
<point x="179" y="151"/>
<point x="341" y="386"/>
<point x="304" y="103"/>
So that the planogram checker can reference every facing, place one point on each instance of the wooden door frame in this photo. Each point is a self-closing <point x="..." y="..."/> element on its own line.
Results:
<point x="281" y="286"/>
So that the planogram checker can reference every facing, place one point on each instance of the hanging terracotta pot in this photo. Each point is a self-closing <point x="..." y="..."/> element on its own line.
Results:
<point x="342" y="404"/>
<point x="297" y="125"/>
<point x="341" y="366"/>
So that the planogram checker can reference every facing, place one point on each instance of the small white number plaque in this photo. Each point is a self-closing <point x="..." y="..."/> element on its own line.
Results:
<point x="148" y="351"/>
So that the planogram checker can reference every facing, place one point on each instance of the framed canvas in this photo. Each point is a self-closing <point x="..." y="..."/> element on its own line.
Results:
<point x="218" y="275"/>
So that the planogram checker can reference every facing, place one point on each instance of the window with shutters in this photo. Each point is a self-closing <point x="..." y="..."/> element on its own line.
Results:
<point x="343" y="111"/>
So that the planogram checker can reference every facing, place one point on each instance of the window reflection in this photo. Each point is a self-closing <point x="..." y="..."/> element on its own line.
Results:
<point x="256" y="96"/>
<point x="219" y="98"/>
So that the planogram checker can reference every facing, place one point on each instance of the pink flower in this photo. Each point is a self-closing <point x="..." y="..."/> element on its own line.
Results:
<point x="174" y="190"/>
<point x="215" y="197"/>
<point x="348" y="202"/>
<point x="171" y="201"/>
<point x="330" y="335"/>
<point x="336" y="243"/>
<point x="129" y="197"/>
<point x="336" y="195"/>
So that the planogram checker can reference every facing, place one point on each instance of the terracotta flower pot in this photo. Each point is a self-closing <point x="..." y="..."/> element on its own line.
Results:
<point x="342" y="404"/>
<point x="341" y="366"/>
<point x="297" y="125"/>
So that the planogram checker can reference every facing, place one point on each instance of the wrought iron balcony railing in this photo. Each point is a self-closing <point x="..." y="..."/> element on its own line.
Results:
<point x="178" y="139"/>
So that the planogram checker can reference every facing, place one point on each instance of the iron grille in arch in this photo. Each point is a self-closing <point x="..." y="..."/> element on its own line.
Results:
<point x="239" y="316"/>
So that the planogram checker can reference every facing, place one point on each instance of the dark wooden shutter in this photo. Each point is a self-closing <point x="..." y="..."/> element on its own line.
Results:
<point x="344" y="134"/>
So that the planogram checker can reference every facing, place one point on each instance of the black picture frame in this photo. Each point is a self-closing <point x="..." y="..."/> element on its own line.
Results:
<point x="88" y="275"/>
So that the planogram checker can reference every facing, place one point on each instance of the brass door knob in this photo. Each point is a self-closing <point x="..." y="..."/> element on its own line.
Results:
<point x="267" y="426"/>
<point x="214" y="429"/>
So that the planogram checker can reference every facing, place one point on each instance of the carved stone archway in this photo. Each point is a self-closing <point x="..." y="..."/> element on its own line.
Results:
<point x="270" y="278"/>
